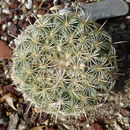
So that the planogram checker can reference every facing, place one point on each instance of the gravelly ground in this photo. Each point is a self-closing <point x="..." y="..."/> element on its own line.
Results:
<point x="113" y="115"/>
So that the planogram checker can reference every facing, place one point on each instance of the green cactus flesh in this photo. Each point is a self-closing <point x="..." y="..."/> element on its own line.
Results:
<point x="64" y="64"/>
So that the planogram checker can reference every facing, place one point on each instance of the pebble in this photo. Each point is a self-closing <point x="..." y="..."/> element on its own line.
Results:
<point x="4" y="27"/>
<point x="22" y="17"/>
<point x="15" y="16"/>
<point x="87" y="125"/>
<point x="34" y="7"/>
<point x="1" y="37"/>
<point x="4" y="38"/>
<point x="22" y="1"/>
<point x="1" y="121"/>
<point x="10" y="44"/>
<point x="8" y="24"/>
<point x="39" y="15"/>
<point x="121" y="104"/>
<point x="6" y="11"/>
<point x="29" y="4"/>
<point x="34" y="11"/>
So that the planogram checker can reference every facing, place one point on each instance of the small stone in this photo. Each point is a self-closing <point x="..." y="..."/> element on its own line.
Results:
<point x="1" y="121"/>
<point x="121" y="104"/>
<point x="29" y="4"/>
<point x="15" y="16"/>
<point x="34" y="11"/>
<point x="8" y="24"/>
<point x="6" y="11"/>
<point x="34" y="7"/>
<point x="4" y="27"/>
<point x="4" y="38"/>
<point x="10" y="45"/>
<point x="39" y="15"/>
<point x="22" y="1"/>
<point x="87" y="125"/>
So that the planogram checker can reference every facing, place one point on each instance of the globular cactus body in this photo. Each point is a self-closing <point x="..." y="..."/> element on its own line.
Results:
<point x="64" y="64"/>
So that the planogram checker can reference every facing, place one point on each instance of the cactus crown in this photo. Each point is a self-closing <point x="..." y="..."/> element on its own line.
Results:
<point x="64" y="63"/>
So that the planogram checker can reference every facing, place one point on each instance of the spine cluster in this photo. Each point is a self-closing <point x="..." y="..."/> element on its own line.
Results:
<point x="64" y="64"/>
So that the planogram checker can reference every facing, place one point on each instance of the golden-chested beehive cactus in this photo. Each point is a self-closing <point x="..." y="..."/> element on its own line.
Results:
<point x="64" y="64"/>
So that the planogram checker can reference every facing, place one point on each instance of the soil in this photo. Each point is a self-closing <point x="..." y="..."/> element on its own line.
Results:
<point x="17" y="114"/>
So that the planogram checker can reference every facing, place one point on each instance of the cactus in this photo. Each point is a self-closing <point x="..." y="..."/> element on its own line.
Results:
<point x="64" y="63"/>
